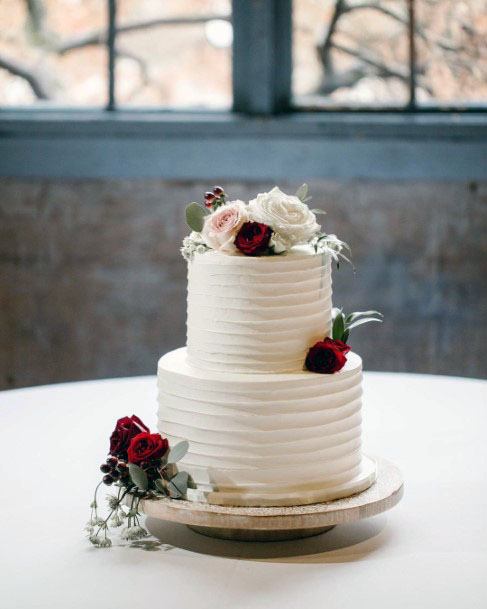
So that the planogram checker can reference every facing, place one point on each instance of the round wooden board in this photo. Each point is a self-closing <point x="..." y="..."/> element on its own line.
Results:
<point x="280" y="523"/>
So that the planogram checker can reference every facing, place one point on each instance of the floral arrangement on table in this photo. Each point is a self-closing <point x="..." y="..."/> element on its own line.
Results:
<point x="141" y="465"/>
<point x="330" y="354"/>
<point x="268" y="225"/>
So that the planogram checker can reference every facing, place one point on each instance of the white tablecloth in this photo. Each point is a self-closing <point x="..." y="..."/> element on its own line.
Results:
<point x="430" y="551"/>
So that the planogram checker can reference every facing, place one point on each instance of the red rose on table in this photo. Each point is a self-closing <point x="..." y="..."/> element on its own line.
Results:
<point x="327" y="356"/>
<point x="253" y="238"/>
<point x="147" y="447"/>
<point x="125" y="429"/>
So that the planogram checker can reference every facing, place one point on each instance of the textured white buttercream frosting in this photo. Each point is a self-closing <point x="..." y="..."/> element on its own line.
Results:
<point x="265" y="439"/>
<point x="259" y="314"/>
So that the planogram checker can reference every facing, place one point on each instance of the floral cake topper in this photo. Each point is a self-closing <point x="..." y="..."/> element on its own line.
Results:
<point x="271" y="224"/>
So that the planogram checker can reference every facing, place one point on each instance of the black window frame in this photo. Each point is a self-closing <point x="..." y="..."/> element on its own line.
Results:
<point x="265" y="136"/>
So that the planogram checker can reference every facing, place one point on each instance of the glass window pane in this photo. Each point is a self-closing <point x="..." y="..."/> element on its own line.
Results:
<point x="38" y="63"/>
<point x="176" y="54"/>
<point x="365" y="61"/>
<point x="451" y="41"/>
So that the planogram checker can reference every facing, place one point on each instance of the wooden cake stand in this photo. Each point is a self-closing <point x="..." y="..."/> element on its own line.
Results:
<point x="282" y="523"/>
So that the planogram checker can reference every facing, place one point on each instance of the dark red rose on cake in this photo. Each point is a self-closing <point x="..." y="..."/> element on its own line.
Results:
<point x="253" y="238"/>
<point x="125" y="429"/>
<point x="327" y="356"/>
<point x="147" y="447"/>
<point x="338" y="344"/>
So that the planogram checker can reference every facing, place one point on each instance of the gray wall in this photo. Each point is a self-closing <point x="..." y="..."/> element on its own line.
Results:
<point x="92" y="283"/>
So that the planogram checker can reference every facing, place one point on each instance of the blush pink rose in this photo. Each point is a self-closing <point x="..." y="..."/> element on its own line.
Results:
<point x="222" y="226"/>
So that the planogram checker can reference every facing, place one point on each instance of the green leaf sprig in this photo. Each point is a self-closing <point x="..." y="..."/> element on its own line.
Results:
<point x="343" y="324"/>
<point x="195" y="216"/>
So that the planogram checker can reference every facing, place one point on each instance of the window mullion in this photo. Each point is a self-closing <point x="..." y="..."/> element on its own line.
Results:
<point x="111" y="37"/>
<point x="262" y="59"/>
<point x="412" y="54"/>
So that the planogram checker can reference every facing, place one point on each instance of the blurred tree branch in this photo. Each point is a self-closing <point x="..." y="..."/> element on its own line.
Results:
<point x="100" y="36"/>
<point x="368" y="63"/>
<point x="35" y="81"/>
<point x="374" y="65"/>
<point x="42" y="37"/>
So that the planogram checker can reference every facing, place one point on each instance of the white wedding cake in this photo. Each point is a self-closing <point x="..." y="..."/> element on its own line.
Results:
<point x="262" y="429"/>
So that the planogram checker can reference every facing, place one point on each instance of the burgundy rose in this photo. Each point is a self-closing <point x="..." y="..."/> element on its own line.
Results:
<point x="147" y="447"/>
<point x="338" y="344"/>
<point x="125" y="429"/>
<point x="327" y="356"/>
<point x="253" y="238"/>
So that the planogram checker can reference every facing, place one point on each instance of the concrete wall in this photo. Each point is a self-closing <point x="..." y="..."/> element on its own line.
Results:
<point x="92" y="283"/>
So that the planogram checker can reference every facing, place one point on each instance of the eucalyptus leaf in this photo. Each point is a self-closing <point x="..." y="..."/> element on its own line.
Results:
<point x="318" y="211"/>
<point x="160" y="486"/>
<point x="359" y="322"/>
<point x="173" y="491"/>
<point x="177" y="452"/>
<point x="178" y="485"/>
<point x="195" y="216"/>
<point x="338" y="327"/>
<point x="138" y="476"/>
<point x="170" y="470"/>
<point x="302" y="192"/>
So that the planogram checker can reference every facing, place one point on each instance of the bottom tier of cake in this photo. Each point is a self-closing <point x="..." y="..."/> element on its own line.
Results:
<point x="266" y="439"/>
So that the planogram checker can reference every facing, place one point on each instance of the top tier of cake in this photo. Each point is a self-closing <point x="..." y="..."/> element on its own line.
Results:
<point x="257" y="314"/>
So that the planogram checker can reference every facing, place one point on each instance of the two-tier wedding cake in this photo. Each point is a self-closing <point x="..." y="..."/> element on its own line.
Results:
<point x="267" y="391"/>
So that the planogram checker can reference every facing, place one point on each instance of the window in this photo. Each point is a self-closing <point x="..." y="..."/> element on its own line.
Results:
<point x="373" y="54"/>
<point x="275" y="88"/>
<point x="350" y="54"/>
<point x="451" y="52"/>
<point x="347" y="54"/>
<point x="40" y="67"/>
<point x="174" y="54"/>
<point x="166" y="54"/>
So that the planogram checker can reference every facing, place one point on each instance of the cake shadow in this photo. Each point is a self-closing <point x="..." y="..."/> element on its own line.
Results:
<point x="344" y="543"/>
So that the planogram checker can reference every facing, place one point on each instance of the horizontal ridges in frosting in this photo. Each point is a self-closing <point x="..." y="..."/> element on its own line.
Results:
<point x="257" y="314"/>
<point x="262" y="438"/>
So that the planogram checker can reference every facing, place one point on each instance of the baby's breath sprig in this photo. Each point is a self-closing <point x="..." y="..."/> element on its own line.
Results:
<point x="193" y="244"/>
<point x="98" y="528"/>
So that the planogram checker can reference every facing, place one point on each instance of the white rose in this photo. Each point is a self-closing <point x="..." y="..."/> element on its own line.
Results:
<point x="286" y="214"/>
<point x="221" y="227"/>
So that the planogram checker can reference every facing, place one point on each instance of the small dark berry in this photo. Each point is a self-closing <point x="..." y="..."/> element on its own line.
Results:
<point x="209" y="196"/>
<point x="122" y="466"/>
<point x="107" y="479"/>
<point x="115" y="474"/>
<point x="112" y="461"/>
<point x="218" y="191"/>
<point x="208" y="204"/>
<point x="105" y="468"/>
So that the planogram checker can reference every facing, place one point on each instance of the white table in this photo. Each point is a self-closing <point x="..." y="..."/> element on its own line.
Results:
<point x="430" y="551"/>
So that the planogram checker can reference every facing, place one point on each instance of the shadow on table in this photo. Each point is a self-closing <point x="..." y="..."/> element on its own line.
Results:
<point x="344" y="543"/>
